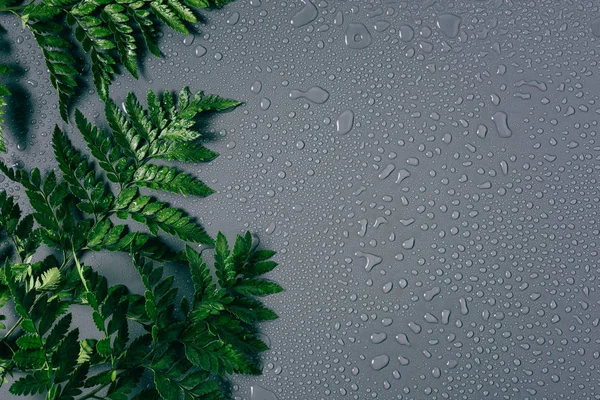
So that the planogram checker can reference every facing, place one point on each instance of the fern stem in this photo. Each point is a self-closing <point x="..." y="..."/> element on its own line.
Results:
<point x="11" y="330"/>
<point x="14" y="8"/>
<point x="92" y="394"/>
<point x="80" y="270"/>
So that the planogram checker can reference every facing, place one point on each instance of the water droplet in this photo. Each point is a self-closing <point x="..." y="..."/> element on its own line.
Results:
<point x="406" y="33"/>
<point x="260" y="393"/>
<point x="200" y="50"/>
<point x="345" y="122"/>
<point x="388" y="287"/>
<point x="233" y="18"/>
<point x="380" y="362"/>
<point x="464" y="309"/>
<point x="416" y="328"/>
<point x="482" y="131"/>
<point x="449" y="24"/>
<point x="357" y="36"/>
<point x="306" y="15"/>
<point x="270" y="228"/>
<point x="315" y="94"/>
<point x="372" y="259"/>
<point x="378" y="337"/>
<point x="381" y="26"/>
<point x="188" y="40"/>
<point x="501" y="120"/>
<point x="338" y="20"/>
<point x="403" y="339"/>
<point x="430" y="294"/>
<point x="429" y="317"/>
<point x="595" y="25"/>
<point x="256" y="87"/>
<point x="265" y="104"/>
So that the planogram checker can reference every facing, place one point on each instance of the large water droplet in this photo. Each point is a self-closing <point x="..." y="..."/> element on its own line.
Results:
<point x="501" y="120"/>
<point x="260" y="393"/>
<point x="357" y="36"/>
<point x="449" y="24"/>
<point x="315" y="94"/>
<point x="306" y="15"/>
<point x="345" y="122"/>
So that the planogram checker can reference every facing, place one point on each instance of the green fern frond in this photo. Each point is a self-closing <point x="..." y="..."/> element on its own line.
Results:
<point x="189" y="344"/>
<point x="107" y="31"/>
<point x="94" y="198"/>
<point x="181" y="151"/>
<point x="105" y="150"/>
<point x="57" y="51"/>
<point x="170" y="179"/>
<point x="49" y="280"/>
<point x="157" y="215"/>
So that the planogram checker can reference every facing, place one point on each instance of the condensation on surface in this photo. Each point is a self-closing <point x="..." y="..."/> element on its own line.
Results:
<point x="429" y="173"/>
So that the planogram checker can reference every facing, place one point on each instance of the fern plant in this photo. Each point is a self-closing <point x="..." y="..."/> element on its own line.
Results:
<point x="111" y="33"/>
<point x="190" y="343"/>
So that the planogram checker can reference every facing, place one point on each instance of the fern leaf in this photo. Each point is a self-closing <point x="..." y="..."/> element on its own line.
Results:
<point x="170" y="179"/>
<point x="211" y="103"/>
<point x="225" y="270"/>
<point x="181" y="151"/>
<point x="104" y="149"/>
<point x="119" y="24"/>
<point x="257" y="287"/>
<point x="215" y="356"/>
<point x="49" y="280"/>
<point x="31" y="384"/>
<point x="182" y="11"/>
<point x="158" y="215"/>
<point x="59" y="61"/>
<point x="201" y="277"/>
<point x="137" y="116"/>
<point x="80" y="174"/>
<point x="169" y="16"/>
<point x="10" y="213"/>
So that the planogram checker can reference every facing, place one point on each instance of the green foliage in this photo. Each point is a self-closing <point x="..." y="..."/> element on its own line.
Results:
<point x="191" y="343"/>
<point x="111" y="33"/>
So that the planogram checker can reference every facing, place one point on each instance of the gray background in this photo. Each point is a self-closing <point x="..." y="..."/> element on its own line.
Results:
<point x="486" y="255"/>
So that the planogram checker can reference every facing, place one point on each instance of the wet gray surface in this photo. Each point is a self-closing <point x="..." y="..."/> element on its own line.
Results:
<point x="428" y="171"/>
